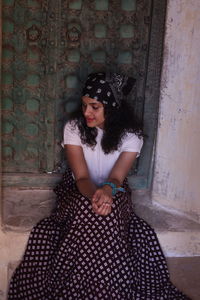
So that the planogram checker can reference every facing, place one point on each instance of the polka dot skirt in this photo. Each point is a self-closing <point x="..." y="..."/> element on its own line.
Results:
<point x="76" y="254"/>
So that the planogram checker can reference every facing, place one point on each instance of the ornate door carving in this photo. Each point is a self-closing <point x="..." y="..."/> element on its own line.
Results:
<point x="49" y="47"/>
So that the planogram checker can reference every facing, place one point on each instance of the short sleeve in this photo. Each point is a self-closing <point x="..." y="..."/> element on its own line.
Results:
<point x="132" y="143"/>
<point x="71" y="134"/>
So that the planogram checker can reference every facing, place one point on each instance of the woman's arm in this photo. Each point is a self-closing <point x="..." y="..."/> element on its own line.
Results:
<point x="116" y="176"/>
<point x="121" y="167"/>
<point x="101" y="197"/>
<point x="76" y="160"/>
<point x="84" y="184"/>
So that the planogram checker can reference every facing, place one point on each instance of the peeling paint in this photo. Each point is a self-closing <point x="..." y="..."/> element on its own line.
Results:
<point x="177" y="166"/>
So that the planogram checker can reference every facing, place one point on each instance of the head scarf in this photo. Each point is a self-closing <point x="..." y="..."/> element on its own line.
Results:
<point x="108" y="88"/>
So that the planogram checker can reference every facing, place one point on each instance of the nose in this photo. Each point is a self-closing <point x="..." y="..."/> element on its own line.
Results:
<point x="87" y="111"/>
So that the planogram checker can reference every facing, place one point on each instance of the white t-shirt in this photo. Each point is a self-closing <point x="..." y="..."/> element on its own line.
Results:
<point x="100" y="164"/>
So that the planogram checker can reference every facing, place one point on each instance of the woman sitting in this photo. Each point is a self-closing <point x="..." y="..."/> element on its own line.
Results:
<point x="93" y="246"/>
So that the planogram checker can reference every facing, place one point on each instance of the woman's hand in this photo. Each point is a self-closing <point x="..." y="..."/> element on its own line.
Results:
<point x="102" y="201"/>
<point x="102" y="198"/>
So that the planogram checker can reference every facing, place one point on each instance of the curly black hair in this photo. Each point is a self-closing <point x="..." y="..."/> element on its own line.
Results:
<point x="118" y="121"/>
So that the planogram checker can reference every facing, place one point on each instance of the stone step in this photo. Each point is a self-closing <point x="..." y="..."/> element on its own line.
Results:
<point x="185" y="274"/>
<point x="178" y="233"/>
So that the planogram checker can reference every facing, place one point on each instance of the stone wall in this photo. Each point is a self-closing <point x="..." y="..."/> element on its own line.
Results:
<point x="177" y="169"/>
<point x="176" y="187"/>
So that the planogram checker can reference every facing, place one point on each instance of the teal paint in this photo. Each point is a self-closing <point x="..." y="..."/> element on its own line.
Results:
<point x="7" y="153"/>
<point x="128" y="5"/>
<point x="8" y="27"/>
<point x="70" y="106"/>
<point x="32" y="130"/>
<point x="7" y="128"/>
<point x="7" y="79"/>
<point x="72" y="82"/>
<point x="19" y="70"/>
<point x="126" y="31"/>
<point x="8" y="2"/>
<point x="75" y="4"/>
<point x="101" y="4"/>
<point x="100" y="30"/>
<point x="7" y="54"/>
<point x="125" y="57"/>
<point x="74" y="25"/>
<point x="33" y="22"/>
<point x="19" y="13"/>
<point x="99" y="57"/>
<point x="33" y="80"/>
<point x="33" y="4"/>
<point x="33" y="55"/>
<point x="32" y="152"/>
<point x="32" y="105"/>
<point x="18" y="95"/>
<point x="74" y="56"/>
<point x="7" y="104"/>
<point x="19" y="44"/>
<point x="137" y="182"/>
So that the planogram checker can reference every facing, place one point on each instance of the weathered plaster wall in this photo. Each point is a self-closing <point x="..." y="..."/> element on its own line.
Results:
<point x="177" y="169"/>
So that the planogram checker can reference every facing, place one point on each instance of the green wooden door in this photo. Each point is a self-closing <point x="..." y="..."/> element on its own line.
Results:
<point x="49" y="47"/>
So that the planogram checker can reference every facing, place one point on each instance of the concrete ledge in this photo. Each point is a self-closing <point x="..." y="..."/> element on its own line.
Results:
<point x="178" y="233"/>
<point x="23" y="208"/>
<point x="180" y="244"/>
<point x="12" y="246"/>
<point x="163" y="219"/>
<point x="30" y="180"/>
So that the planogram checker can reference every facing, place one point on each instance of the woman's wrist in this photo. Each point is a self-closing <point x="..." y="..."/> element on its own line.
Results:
<point x="107" y="189"/>
<point x="113" y="186"/>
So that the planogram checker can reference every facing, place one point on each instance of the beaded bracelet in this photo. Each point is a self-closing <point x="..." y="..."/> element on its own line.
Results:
<point x="115" y="189"/>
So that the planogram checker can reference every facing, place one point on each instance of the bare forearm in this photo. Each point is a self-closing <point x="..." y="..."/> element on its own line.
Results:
<point x="114" y="180"/>
<point x="86" y="187"/>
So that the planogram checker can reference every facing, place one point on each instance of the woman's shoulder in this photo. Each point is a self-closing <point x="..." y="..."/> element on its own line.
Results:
<point x="71" y="125"/>
<point x="132" y="142"/>
<point x="71" y="133"/>
<point x="129" y="134"/>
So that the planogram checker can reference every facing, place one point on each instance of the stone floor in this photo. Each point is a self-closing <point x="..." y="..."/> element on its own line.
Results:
<point x="185" y="274"/>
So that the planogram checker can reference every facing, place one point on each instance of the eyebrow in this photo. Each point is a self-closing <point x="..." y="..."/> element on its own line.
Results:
<point x="91" y="103"/>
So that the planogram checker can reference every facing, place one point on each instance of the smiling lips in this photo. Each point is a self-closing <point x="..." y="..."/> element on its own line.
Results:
<point x="89" y="120"/>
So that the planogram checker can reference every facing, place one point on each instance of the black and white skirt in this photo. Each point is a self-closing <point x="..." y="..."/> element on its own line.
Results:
<point x="76" y="254"/>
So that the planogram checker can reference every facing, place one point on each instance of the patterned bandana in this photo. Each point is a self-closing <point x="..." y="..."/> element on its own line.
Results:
<point x="108" y="88"/>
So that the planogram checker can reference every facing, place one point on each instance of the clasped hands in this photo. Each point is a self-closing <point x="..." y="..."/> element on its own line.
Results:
<point x="102" y="201"/>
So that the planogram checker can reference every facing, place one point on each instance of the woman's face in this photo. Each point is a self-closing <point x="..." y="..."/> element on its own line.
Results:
<point x="93" y="112"/>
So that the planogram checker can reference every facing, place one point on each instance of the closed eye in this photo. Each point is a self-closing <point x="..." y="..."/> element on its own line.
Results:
<point x="95" y="107"/>
<point x="84" y="106"/>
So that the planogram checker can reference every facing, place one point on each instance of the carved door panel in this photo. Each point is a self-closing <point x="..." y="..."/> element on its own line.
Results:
<point x="27" y="102"/>
<point x="49" y="47"/>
